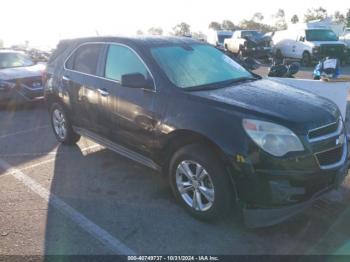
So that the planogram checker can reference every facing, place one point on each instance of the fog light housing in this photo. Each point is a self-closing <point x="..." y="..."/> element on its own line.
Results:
<point x="282" y="192"/>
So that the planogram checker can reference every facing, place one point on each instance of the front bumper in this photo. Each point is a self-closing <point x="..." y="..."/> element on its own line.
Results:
<point x="20" y="93"/>
<point x="263" y="217"/>
<point x="273" y="189"/>
<point x="257" y="52"/>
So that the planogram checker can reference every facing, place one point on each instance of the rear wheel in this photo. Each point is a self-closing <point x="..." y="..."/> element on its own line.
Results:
<point x="200" y="182"/>
<point x="61" y="125"/>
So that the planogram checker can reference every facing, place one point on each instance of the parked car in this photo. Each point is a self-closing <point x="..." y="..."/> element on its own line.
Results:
<point x="309" y="45"/>
<point x="223" y="136"/>
<point x="20" y="77"/>
<point x="249" y="43"/>
<point x="217" y="37"/>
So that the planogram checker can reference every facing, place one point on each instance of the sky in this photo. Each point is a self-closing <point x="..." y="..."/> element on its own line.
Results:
<point x="45" y="22"/>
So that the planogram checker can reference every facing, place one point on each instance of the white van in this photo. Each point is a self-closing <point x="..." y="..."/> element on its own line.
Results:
<point x="217" y="37"/>
<point x="308" y="44"/>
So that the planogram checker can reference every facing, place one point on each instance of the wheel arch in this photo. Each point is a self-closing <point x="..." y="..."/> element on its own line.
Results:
<point x="180" y="138"/>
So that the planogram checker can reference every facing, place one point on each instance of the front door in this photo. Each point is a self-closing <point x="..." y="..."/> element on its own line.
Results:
<point x="132" y="110"/>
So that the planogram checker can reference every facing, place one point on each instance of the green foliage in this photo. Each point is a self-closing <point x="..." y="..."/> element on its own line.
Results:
<point x="182" y="29"/>
<point x="315" y="14"/>
<point x="294" y="19"/>
<point x="155" y="31"/>
<point x="228" y="25"/>
<point x="215" y="25"/>
<point x="347" y="18"/>
<point x="280" y="17"/>
<point x="252" y="25"/>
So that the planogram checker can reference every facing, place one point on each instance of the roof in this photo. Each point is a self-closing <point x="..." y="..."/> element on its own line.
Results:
<point x="150" y="41"/>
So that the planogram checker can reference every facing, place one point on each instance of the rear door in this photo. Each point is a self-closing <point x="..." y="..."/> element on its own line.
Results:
<point x="84" y="86"/>
<point x="133" y="111"/>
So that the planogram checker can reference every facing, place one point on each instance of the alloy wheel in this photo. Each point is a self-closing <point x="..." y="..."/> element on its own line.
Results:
<point x="195" y="185"/>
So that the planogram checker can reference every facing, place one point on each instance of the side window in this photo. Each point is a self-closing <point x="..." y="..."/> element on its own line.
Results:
<point x="121" y="60"/>
<point x="85" y="59"/>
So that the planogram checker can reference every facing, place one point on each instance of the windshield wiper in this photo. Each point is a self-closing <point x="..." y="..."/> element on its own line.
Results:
<point x="223" y="83"/>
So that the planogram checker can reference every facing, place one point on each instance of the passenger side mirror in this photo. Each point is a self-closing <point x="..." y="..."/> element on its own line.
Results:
<point x="136" y="80"/>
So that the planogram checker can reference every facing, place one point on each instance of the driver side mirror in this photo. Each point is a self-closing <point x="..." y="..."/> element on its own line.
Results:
<point x="302" y="39"/>
<point x="136" y="80"/>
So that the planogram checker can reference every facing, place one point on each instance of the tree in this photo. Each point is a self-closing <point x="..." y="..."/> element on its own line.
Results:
<point x="258" y="17"/>
<point x="228" y="25"/>
<point x="294" y="19"/>
<point x="139" y="32"/>
<point x="339" y="18"/>
<point x="315" y="14"/>
<point x="155" y="31"/>
<point x="215" y="25"/>
<point x="252" y="25"/>
<point x="182" y="29"/>
<point x="280" y="17"/>
<point x="347" y="18"/>
<point x="199" y="35"/>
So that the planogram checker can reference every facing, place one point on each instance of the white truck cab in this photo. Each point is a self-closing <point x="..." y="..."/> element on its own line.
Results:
<point x="217" y="37"/>
<point x="309" y="44"/>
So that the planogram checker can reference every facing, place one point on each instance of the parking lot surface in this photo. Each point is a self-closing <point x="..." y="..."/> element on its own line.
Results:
<point x="85" y="199"/>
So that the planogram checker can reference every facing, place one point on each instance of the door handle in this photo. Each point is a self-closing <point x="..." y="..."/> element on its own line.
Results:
<point x="103" y="92"/>
<point x="65" y="78"/>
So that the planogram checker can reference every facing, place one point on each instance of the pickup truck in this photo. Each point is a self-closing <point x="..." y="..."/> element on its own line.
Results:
<point x="248" y="43"/>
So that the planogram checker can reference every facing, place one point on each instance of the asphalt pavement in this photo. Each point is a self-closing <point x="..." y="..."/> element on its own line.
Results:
<point x="85" y="199"/>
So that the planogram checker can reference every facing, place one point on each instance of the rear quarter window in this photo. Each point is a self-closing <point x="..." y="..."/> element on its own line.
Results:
<point x="85" y="59"/>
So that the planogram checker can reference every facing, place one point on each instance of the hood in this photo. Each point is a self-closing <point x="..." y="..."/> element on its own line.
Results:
<point x="21" y="72"/>
<point x="294" y="108"/>
<point x="263" y="40"/>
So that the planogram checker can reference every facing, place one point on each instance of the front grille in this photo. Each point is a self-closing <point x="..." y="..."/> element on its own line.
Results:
<point x="322" y="131"/>
<point x="332" y="50"/>
<point x="330" y="157"/>
<point x="31" y="82"/>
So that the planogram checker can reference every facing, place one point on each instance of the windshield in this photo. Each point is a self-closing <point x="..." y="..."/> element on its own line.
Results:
<point x="197" y="65"/>
<point x="10" y="60"/>
<point x="222" y="38"/>
<point x="321" y="35"/>
<point x="254" y="34"/>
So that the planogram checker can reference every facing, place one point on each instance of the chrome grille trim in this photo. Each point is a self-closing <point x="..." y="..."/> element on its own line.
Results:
<point x="338" y="132"/>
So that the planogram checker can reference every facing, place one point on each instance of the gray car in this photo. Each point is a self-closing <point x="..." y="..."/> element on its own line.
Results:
<point x="20" y="77"/>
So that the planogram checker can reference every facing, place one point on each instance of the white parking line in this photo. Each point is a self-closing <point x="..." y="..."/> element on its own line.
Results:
<point x="114" y="244"/>
<point x="24" y="131"/>
<point x="100" y="234"/>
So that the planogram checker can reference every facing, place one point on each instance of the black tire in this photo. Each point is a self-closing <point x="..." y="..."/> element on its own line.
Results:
<point x="70" y="137"/>
<point x="306" y="59"/>
<point x="279" y="54"/>
<point x="224" y="193"/>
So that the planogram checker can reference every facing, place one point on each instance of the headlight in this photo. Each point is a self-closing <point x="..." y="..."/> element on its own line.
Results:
<point x="316" y="49"/>
<point x="275" y="139"/>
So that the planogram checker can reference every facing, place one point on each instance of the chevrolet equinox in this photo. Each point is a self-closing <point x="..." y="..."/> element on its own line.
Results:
<point x="225" y="138"/>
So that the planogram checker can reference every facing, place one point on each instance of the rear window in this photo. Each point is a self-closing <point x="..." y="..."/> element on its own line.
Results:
<point x="85" y="59"/>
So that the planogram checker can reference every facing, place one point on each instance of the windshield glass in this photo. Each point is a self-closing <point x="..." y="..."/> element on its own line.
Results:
<point x="321" y="35"/>
<point x="251" y="34"/>
<point x="222" y="38"/>
<point x="10" y="60"/>
<point x="197" y="65"/>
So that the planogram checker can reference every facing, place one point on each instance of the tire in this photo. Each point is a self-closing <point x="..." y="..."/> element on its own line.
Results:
<point x="306" y="59"/>
<point x="218" y="199"/>
<point x="61" y="125"/>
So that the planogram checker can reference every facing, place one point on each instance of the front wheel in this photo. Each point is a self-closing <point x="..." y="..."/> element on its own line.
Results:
<point x="200" y="182"/>
<point x="61" y="125"/>
<point x="306" y="59"/>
